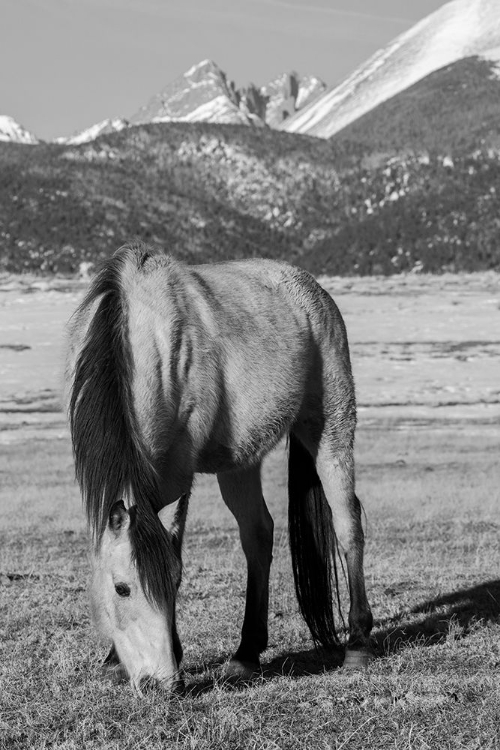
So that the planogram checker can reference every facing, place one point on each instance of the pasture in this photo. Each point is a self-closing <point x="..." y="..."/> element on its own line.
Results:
<point x="425" y="354"/>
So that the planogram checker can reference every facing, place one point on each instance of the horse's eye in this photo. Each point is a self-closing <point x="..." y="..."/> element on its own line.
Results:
<point x="122" y="589"/>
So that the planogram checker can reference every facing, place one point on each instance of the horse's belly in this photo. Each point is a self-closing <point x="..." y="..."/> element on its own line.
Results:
<point x="250" y="424"/>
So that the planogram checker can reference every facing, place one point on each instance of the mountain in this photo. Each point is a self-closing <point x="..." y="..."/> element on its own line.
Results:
<point x="454" y="110"/>
<point x="101" y="128"/>
<point x="11" y="131"/>
<point x="288" y="94"/>
<point x="459" y="29"/>
<point x="201" y="191"/>
<point x="203" y="94"/>
<point x="209" y="192"/>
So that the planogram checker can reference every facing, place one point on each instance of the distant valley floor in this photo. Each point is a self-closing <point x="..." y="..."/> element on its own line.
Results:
<point x="424" y="349"/>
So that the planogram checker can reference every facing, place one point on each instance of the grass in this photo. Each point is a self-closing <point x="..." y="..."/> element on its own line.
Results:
<point x="431" y="497"/>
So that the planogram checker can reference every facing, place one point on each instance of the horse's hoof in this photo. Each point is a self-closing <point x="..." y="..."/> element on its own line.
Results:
<point x="179" y="685"/>
<point x="241" y="671"/>
<point x="116" y="673"/>
<point x="357" y="659"/>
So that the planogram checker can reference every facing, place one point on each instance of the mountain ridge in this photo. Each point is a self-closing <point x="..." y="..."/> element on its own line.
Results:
<point x="209" y="192"/>
<point x="455" y="108"/>
<point x="302" y="104"/>
<point x="204" y="94"/>
<point x="201" y="94"/>
<point x="457" y="30"/>
<point x="94" y="131"/>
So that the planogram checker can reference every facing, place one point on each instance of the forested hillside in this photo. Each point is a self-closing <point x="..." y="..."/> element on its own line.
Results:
<point x="455" y="109"/>
<point x="402" y="189"/>
<point x="203" y="192"/>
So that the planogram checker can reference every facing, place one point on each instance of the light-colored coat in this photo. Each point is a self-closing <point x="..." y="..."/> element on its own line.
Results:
<point x="176" y="369"/>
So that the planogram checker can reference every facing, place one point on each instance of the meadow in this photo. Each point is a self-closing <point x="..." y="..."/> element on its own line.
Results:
<point x="425" y="355"/>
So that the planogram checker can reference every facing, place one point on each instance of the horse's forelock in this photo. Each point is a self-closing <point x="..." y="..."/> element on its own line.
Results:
<point x="158" y="564"/>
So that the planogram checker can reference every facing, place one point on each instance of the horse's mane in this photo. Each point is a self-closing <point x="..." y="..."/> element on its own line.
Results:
<point x="111" y="460"/>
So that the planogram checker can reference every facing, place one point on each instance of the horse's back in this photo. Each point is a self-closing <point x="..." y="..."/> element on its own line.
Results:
<point x="238" y="299"/>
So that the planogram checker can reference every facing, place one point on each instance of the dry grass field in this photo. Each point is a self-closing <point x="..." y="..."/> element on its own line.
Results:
<point x="425" y="353"/>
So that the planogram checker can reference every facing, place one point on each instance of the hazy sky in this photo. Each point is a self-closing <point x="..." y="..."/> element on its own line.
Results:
<point x="66" y="64"/>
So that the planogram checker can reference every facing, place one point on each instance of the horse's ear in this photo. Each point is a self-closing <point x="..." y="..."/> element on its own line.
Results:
<point x="119" y="518"/>
<point x="173" y="518"/>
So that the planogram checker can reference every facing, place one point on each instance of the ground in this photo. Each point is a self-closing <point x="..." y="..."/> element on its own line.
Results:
<point x="425" y="356"/>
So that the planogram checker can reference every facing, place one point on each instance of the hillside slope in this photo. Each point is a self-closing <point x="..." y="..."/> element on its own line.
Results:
<point x="455" y="109"/>
<point x="199" y="190"/>
<point x="459" y="29"/>
<point x="206" y="192"/>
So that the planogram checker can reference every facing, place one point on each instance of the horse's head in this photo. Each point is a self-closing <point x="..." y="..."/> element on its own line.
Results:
<point x="136" y="571"/>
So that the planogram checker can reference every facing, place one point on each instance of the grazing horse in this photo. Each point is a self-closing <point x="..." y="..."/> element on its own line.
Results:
<point x="176" y="369"/>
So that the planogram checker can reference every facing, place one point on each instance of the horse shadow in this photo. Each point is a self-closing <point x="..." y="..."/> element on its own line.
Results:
<point x="456" y="612"/>
<point x="427" y="624"/>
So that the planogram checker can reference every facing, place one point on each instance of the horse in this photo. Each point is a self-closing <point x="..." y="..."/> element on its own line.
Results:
<point x="174" y="370"/>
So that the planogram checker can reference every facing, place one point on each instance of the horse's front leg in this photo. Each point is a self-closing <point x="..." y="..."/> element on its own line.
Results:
<point x="242" y="493"/>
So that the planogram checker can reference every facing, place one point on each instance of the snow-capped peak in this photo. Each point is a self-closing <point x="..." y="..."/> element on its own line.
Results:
<point x="204" y="65"/>
<point x="459" y="29"/>
<point x="90" y="134"/>
<point x="288" y="93"/>
<point x="12" y="131"/>
<point x="201" y="93"/>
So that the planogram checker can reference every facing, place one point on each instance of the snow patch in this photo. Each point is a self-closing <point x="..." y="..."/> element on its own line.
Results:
<point x="11" y="131"/>
<point x="219" y="109"/>
<point x="90" y="134"/>
<point x="194" y="69"/>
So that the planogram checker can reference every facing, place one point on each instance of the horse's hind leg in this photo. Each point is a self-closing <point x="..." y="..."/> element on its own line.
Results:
<point x="335" y="467"/>
<point x="242" y="493"/>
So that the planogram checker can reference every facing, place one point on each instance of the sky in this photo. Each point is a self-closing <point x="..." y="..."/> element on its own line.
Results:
<point x="67" y="64"/>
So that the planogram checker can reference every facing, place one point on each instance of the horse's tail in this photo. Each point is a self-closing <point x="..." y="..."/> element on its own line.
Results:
<point x="313" y="545"/>
<point x="110" y="458"/>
